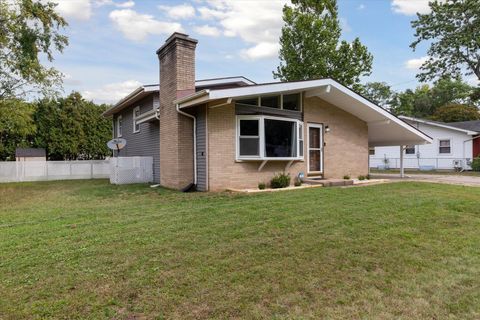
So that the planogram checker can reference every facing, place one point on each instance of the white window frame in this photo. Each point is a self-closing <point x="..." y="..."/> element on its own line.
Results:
<point x="134" y="117"/>
<point x="119" y="126"/>
<point x="449" y="144"/>
<point x="259" y="101"/>
<point x="319" y="126"/>
<point x="261" y="136"/>
<point x="414" y="150"/>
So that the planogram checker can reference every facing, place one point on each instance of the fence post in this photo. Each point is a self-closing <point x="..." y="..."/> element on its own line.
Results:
<point x="91" y="169"/>
<point x="46" y="169"/>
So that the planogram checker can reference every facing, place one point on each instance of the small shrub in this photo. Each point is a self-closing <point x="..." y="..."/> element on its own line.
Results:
<point x="368" y="177"/>
<point x="280" y="180"/>
<point x="261" y="186"/>
<point x="346" y="177"/>
<point x="361" y="178"/>
<point x="476" y="164"/>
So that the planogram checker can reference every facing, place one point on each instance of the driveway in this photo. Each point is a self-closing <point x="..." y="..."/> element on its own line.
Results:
<point x="436" y="178"/>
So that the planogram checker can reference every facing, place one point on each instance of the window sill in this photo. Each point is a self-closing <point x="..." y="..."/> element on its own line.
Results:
<point x="268" y="159"/>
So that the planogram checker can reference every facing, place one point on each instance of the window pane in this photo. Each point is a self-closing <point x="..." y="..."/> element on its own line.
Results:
<point x="249" y="127"/>
<point x="301" y="148"/>
<point x="410" y="150"/>
<point x="444" y="143"/>
<point x="371" y="151"/>
<point x="291" y="102"/>
<point x="249" y="147"/>
<point x="251" y="101"/>
<point x="314" y="135"/>
<point x="444" y="149"/>
<point x="271" y="102"/>
<point x="314" y="159"/>
<point x="280" y="138"/>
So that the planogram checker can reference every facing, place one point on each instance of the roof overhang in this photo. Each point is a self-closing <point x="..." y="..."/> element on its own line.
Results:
<point x="439" y="125"/>
<point x="136" y="95"/>
<point x="384" y="129"/>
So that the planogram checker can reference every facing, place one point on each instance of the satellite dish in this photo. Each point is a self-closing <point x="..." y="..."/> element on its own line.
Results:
<point x="117" y="144"/>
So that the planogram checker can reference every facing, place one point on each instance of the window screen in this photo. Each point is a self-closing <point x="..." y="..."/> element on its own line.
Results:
<point x="444" y="146"/>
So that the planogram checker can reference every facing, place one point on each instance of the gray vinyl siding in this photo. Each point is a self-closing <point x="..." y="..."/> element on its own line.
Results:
<point x="202" y="184"/>
<point x="146" y="142"/>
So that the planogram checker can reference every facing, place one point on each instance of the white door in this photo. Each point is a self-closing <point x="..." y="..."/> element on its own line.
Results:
<point x="315" y="148"/>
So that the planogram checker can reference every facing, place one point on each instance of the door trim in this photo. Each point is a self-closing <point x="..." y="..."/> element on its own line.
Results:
<point x="320" y="126"/>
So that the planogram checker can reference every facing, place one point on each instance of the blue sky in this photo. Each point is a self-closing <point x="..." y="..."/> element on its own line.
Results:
<point x="113" y="42"/>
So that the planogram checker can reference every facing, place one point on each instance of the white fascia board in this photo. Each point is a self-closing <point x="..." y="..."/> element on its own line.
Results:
<point x="267" y="88"/>
<point x="440" y="125"/>
<point x="118" y="106"/>
<point x="301" y="86"/>
<point x="209" y="82"/>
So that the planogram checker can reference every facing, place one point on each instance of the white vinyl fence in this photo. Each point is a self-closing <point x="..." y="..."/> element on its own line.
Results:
<point x="15" y="171"/>
<point x="125" y="170"/>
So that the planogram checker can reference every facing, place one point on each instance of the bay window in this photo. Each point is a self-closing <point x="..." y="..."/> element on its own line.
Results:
<point x="269" y="138"/>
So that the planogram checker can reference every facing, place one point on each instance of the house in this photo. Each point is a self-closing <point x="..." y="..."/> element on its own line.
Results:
<point x="30" y="154"/>
<point x="454" y="146"/>
<point x="234" y="133"/>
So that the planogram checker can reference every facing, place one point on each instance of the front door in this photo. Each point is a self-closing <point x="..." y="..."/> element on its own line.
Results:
<point x="315" y="148"/>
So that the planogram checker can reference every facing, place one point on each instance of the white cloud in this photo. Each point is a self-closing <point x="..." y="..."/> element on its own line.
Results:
<point x="258" y="23"/>
<point x="183" y="11"/>
<point x="112" y="92"/>
<point x="207" y="30"/>
<point x="126" y="4"/>
<point x="410" y="7"/>
<point x="136" y="26"/>
<point x="361" y="6"/>
<point x="415" y="63"/>
<point x="261" y="51"/>
<point x="75" y="9"/>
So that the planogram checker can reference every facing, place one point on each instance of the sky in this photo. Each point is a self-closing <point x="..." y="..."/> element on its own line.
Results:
<point x="112" y="43"/>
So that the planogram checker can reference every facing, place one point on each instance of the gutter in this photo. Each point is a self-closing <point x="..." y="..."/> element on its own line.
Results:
<point x="194" y="141"/>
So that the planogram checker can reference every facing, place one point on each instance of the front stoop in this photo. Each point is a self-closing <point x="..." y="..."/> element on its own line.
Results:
<point x="329" y="182"/>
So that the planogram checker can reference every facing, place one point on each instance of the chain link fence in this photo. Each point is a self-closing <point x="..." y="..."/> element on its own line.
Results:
<point x="126" y="170"/>
<point x="421" y="163"/>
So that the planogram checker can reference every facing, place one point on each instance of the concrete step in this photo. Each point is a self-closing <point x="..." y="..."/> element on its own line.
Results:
<point x="329" y="182"/>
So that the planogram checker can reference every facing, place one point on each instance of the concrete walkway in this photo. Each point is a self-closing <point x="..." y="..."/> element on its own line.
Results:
<point x="435" y="178"/>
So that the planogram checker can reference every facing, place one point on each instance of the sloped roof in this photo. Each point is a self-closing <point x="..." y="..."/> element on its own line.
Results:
<point x="384" y="128"/>
<point x="444" y="125"/>
<point x="467" y="125"/>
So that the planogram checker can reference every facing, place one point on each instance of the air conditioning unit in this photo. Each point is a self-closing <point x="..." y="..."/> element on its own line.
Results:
<point x="458" y="164"/>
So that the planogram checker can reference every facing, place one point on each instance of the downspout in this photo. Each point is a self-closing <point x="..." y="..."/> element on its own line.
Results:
<point x="194" y="142"/>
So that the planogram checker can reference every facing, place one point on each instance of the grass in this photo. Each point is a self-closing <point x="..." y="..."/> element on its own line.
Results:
<point x="441" y="172"/>
<point x="89" y="250"/>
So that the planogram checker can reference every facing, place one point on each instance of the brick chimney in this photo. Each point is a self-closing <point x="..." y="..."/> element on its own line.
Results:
<point x="177" y="79"/>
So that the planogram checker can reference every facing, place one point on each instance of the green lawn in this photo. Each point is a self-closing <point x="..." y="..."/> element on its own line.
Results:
<point x="89" y="250"/>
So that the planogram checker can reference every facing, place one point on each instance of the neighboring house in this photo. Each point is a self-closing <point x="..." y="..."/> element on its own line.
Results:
<point x="234" y="133"/>
<point x="30" y="154"/>
<point x="454" y="146"/>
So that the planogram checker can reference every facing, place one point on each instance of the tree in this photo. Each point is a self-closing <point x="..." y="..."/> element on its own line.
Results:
<point x="456" y="112"/>
<point x="72" y="128"/>
<point x="16" y="127"/>
<point x="380" y="93"/>
<point x="452" y="29"/>
<point x="425" y="100"/>
<point x="29" y="30"/>
<point x="311" y="46"/>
